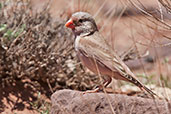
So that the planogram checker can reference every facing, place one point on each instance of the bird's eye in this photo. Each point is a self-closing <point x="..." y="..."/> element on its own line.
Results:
<point x="81" y="20"/>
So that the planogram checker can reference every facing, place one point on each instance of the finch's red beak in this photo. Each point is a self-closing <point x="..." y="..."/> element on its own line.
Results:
<point x="70" y="24"/>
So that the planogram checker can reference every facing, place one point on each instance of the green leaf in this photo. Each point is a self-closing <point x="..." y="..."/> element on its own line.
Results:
<point x="0" y="6"/>
<point x="8" y="34"/>
<point x="3" y="27"/>
<point x="20" y="31"/>
<point x="166" y="60"/>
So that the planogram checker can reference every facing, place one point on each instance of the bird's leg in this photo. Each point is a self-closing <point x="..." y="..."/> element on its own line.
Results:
<point x="106" y="82"/>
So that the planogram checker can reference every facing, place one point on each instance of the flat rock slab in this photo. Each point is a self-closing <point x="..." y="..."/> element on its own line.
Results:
<point x="75" y="102"/>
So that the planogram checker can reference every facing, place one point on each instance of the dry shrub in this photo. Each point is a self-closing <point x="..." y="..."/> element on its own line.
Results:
<point x="36" y="47"/>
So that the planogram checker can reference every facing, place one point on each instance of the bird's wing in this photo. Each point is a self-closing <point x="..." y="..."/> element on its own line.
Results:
<point x="95" y="46"/>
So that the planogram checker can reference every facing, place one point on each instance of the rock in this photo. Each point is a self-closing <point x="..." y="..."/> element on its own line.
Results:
<point x="74" y="102"/>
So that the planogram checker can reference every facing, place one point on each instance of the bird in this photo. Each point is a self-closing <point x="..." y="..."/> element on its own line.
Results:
<point x="96" y="54"/>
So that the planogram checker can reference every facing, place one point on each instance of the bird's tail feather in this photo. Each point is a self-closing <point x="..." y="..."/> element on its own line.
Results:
<point x="149" y="91"/>
<point x="140" y="85"/>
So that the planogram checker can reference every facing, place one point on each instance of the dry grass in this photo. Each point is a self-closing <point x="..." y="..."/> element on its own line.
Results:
<point x="155" y="26"/>
<point x="31" y="46"/>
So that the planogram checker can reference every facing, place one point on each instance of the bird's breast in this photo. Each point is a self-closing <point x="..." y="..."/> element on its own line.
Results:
<point x="76" y="43"/>
<point x="93" y="65"/>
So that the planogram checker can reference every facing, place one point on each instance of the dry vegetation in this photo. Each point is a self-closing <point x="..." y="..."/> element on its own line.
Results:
<point x="37" y="55"/>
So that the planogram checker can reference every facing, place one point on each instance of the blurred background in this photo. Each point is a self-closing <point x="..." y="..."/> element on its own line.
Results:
<point x="37" y="55"/>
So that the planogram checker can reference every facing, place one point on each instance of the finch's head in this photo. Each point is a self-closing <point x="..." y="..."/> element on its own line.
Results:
<point x="82" y="23"/>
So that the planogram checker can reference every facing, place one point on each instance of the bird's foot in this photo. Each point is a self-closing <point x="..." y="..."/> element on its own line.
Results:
<point x="97" y="89"/>
<point x="91" y="91"/>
